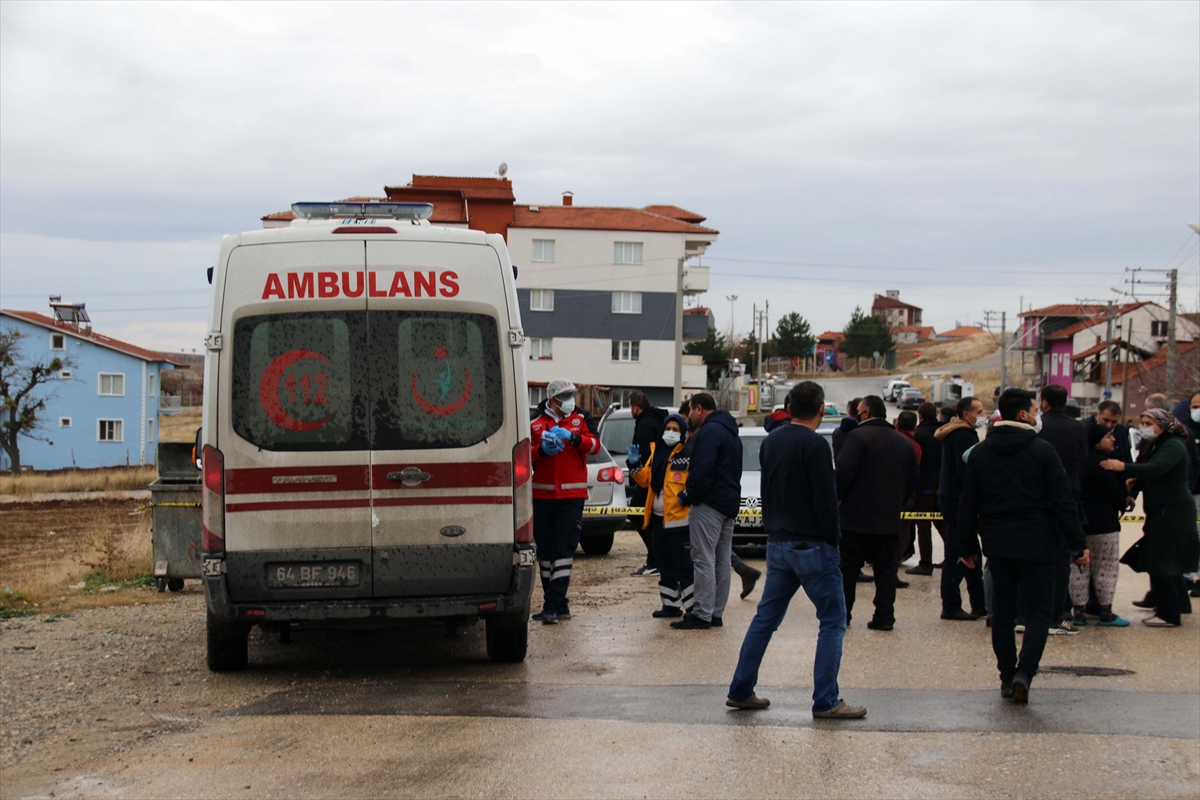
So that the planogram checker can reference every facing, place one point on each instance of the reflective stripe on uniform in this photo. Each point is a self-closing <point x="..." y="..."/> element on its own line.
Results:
<point x="560" y="573"/>
<point x="562" y="562"/>
<point x="565" y="486"/>
<point x="544" y="487"/>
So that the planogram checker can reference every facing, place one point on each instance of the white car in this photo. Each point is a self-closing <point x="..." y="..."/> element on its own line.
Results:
<point x="748" y="530"/>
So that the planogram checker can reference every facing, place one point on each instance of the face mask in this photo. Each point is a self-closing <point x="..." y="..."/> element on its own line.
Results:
<point x="1149" y="434"/>
<point x="1195" y="414"/>
<point x="568" y="405"/>
<point x="671" y="437"/>
<point x="980" y="422"/>
<point x="1037" y="424"/>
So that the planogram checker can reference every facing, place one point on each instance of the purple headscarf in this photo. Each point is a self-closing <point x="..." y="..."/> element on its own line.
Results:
<point x="1165" y="420"/>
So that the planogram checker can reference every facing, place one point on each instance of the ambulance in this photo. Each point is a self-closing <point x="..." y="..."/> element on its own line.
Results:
<point x="365" y="448"/>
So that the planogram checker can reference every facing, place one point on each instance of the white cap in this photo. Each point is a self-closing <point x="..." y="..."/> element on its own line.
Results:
<point x="559" y="386"/>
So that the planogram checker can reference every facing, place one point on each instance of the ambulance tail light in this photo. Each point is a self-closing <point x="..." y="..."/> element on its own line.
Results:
<point x="522" y="470"/>
<point x="213" y="501"/>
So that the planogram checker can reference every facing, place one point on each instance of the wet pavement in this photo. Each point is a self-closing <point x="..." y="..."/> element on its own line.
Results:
<point x="613" y="703"/>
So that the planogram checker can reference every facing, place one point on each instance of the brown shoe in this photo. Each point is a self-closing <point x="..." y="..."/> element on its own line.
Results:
<point x="751" y="703"/>
<point x="841" y="711"/>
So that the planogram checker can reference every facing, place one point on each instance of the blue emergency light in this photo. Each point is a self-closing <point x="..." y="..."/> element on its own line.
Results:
<point x="343" y="210"/>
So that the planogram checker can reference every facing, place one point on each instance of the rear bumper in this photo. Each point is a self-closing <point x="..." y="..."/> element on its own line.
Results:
<point x="381" y="611"/>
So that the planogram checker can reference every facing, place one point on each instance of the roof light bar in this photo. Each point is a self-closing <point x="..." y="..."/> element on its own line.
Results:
<point x="411" y="211"/>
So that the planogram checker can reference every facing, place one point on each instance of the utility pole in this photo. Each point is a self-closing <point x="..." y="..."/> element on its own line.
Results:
<point x="767" y="322"/>
<point x="988" y="316"/>
<point x="679" y="333"/>
<point x="731" y="298"/>
<point x="1173" y="292"/>
<point x="762" y="324"/>
<point x="1108" y="354"/>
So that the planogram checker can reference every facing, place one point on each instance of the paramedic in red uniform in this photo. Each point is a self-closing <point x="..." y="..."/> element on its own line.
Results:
<point x="559" y="491"/>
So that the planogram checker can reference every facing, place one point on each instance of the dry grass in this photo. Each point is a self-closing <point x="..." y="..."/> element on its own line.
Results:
<point x="936" y="354"/>
<point x="104" y="546"/>
<point x="108" y="479"/>
<point x="181" y="426"/>
<point x="985" y="383"/>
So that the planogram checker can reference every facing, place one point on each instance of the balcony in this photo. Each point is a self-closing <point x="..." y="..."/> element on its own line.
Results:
<point x="695" y="280"/>
<point x="170" y="405"/>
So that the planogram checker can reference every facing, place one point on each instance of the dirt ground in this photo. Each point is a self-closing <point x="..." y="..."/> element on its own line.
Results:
<point x="181" y="426"/>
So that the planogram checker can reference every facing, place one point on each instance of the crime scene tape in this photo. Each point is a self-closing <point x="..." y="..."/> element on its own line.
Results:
<point x="756" y="513"/>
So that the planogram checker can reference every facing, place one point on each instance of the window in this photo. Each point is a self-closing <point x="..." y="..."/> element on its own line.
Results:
<point x="541" y="349"/>
<point x="65" y="374"/>
<point x="149" y="430"/>
<point x="627" y="302"/>
<point x="536" y="395"/>
<point x="622" y="396"/>
<point x="111" y="430"/>
<point x="625" y="350"/>
<point x="150" y="384"/>
<point x="627" y="253"/>
<point x="1158" y="328"/>
<point x="543" y="249"/>
<point x="58" y="341"/>
<point x="64" y="422"/>
<point x="541" y="299"/>
<point x="112" y="384"/>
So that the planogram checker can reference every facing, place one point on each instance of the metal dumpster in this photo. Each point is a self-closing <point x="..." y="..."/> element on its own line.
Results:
<point x="176" y="521"/>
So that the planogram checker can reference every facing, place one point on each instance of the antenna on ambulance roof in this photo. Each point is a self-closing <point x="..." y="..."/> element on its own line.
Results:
<point x="503" y="169"/>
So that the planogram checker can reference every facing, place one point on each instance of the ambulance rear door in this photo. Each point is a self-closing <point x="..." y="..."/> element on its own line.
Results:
<point x="293" y="420"/>
<point x="442" y="428"/>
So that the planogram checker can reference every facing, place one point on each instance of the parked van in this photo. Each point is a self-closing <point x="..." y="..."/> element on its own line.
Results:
<point x="366" y="454"/>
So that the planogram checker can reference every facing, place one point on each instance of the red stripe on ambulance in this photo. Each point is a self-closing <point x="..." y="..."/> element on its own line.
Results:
<point x="312" y="285"/>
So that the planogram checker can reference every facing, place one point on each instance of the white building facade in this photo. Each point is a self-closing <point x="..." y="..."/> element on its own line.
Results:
<point x="597" y="289"/>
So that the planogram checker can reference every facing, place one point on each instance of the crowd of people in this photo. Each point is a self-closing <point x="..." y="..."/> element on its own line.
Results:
<point x="1029" y="517"/>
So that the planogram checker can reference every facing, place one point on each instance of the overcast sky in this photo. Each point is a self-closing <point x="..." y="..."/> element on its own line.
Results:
<point x="969" y="155"/>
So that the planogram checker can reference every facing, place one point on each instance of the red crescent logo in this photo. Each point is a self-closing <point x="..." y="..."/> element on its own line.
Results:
<point x="441" y="411"/>
<point x="268" y="391"/>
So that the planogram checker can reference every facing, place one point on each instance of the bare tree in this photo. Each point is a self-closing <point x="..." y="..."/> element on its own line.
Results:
<point x="23" y="405"/>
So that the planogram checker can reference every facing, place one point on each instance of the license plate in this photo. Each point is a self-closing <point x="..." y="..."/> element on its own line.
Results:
<point x="314" y="574"/>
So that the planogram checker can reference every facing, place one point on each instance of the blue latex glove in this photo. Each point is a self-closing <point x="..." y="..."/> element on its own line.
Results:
<point x="633" y="454"/>
<point x="550" y="443"/>
<point x="562" y="434"/>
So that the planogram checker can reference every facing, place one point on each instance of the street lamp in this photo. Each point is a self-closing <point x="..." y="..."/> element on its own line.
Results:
<point x="731" y="298"/>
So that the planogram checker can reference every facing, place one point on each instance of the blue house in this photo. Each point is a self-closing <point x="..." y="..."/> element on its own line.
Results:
<point x="104" y="410"/>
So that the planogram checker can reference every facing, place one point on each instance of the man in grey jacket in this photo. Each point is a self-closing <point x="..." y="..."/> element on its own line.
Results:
<point x="877" y="471"/>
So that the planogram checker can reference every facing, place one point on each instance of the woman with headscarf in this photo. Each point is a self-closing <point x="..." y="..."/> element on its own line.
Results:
<point x="664" y="474"/>
<point x="1102" y="494"/>
<point x="1171" y="544"/>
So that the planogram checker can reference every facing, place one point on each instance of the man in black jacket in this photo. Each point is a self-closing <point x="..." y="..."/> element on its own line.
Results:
<point x="925" y="500"/>
<point x="714" y="493"/>
<point x="1108" y="415"/>
<point x="877" y="472"/>
<point x="1016" y="497"/>
<point x="648" y="424"/>
<point x="957" y="436"/>
<point x="1069" y="438"/>
<point x="848" y="423"/>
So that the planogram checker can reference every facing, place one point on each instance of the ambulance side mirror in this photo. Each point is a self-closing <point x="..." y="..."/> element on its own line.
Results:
<point x="198" y="448"/>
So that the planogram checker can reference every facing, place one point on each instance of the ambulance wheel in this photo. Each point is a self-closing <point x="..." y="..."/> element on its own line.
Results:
<point x="228" y="645"/>
<point x="597" y="545"/>
<point x="506" y="641"/>
<point x="175" y="584"/>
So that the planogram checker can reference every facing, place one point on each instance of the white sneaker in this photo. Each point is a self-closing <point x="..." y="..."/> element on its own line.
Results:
<point x="1155" y="622"/>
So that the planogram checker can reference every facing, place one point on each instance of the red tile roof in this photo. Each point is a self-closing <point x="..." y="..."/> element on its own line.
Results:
<point x="95" y="338"/>
<point x="470" y="188"/>
<point x="675" y="212"/>
<point x="1083" y="325"/>
<point x="961" y="333"/>
<point x="836" y="336"/>
<point x="922" y="331"/>
<point x="883" y="301"/>
<point x="1133" y="370"/>
<point x="1066" y="310"/>
<point x="698" y="311"/>
<point x="600" y="219"/>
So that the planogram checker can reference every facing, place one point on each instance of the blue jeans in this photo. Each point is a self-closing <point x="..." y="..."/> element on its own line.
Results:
<point x="817" y="567"/>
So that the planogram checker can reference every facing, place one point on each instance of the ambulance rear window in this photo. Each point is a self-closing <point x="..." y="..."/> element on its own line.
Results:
<point x="435" y="379"/>
<point x="299" y="381"/>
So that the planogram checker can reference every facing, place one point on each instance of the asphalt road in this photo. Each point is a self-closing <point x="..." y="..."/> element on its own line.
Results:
<point x="117" y="703"/>
<point x="844" y="389"/>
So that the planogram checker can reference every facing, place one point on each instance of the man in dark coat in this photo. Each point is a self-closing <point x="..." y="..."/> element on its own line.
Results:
<point x="1108" y="415"/>
<point x="1069" y="438"/>
<point x="877" y="472"/>
<point x="647" y="427"/>
<point x="849" y="423"/>
<point x="1016" y="497"/>
<point x="925" y="500"/>
<point x="957" y="437"/>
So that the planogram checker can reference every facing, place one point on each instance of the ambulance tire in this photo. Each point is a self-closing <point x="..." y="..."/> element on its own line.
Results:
<point x="507" y="638"/>
<point x="597" y="545"/>
<point x="228" y="645"/>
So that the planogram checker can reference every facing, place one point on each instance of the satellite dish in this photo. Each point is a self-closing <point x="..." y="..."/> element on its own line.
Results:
<point x="503" y="169"/>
